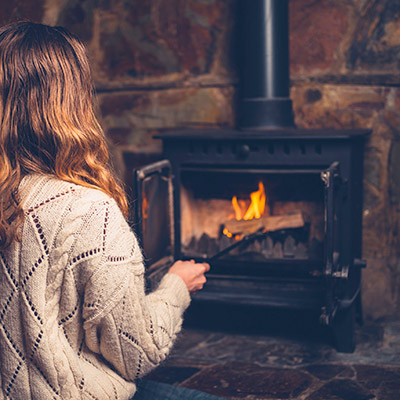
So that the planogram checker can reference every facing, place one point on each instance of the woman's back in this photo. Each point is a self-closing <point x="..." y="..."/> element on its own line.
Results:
<point x="71" y="290"/>
<point x="75" y="321"/>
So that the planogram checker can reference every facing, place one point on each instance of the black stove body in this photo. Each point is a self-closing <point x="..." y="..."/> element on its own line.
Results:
<point x="317" y="266"/>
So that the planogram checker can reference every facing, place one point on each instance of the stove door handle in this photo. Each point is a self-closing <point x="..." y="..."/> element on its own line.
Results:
<point x="244" y="151"/>
<point x="360" y="263"/>
<point x="158" y="166"/>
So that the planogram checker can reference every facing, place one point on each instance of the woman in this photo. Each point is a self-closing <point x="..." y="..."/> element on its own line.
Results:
<point x="74" y="319"/>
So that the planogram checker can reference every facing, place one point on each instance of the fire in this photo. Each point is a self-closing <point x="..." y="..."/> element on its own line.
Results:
<point x="256" y="208"/>
<point x="237" y="208"/>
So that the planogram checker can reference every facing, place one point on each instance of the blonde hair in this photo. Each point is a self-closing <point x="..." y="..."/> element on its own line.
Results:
<point x="47" y="121"/>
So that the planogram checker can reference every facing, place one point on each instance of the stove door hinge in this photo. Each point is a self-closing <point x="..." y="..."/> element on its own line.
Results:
<point x="336" y="270"/>
<point x="328" y="314"/>
<point x="343" y="273"/>
<point x="325" y="175"/>
<point x="331" y="176"/>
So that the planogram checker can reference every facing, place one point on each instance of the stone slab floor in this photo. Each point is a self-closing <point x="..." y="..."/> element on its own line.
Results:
<point x="242" y="353"/>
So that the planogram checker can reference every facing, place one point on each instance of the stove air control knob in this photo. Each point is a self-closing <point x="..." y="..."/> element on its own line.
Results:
<point x="243" y="151"/>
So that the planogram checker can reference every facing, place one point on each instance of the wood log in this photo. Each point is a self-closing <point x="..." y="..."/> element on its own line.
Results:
<point x="265" y="224"/>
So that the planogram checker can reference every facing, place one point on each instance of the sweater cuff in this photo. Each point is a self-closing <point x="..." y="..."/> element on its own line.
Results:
<point x="176" y="288"/>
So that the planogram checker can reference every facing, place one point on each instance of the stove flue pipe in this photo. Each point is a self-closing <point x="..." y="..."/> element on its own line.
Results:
<point x="265" y="101"/>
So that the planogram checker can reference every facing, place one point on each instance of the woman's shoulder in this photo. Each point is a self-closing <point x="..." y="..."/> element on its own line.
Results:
<point x="67" y="210"/>
<point x="39" y="190"/>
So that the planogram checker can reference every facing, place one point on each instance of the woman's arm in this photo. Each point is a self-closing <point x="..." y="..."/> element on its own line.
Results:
<point x="138" y="332"/>
<point x="132" y="331"/>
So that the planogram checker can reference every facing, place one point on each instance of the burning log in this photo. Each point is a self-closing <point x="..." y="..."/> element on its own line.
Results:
<point x="265" y="224"/>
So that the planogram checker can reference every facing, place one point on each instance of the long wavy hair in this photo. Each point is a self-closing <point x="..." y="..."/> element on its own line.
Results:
<point x="47" y="120"/>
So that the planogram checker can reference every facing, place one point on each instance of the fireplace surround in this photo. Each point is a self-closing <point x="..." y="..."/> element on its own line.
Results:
<point x="183" y="204"/>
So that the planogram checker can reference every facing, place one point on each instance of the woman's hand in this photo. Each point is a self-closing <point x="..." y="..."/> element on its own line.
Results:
<point x="191" y="273"/>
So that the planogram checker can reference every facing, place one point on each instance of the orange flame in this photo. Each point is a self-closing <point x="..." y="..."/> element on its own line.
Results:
<point x="256" y="209"/>
<point x="237" y="208"/>
<point x="257" y="205"/>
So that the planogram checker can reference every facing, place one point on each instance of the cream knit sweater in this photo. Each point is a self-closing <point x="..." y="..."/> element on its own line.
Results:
<point x="75" y="322"/>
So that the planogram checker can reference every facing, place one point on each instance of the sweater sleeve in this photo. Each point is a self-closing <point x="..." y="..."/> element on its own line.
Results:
<point x="131" y="330"/>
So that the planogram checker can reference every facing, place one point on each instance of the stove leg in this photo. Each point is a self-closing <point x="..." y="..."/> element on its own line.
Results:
<point x="343" y="330"/>
<point x="359" y="310"/>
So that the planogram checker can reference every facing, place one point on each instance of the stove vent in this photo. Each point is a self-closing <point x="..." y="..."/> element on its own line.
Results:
<point x="265" y="101"/>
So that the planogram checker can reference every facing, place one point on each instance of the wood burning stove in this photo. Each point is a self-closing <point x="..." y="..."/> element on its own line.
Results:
<point x="184" y="204"/>
<point x="275" y="210"/>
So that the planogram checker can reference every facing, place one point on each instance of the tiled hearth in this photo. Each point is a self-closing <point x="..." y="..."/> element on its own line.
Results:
<point x="286" y="364"/>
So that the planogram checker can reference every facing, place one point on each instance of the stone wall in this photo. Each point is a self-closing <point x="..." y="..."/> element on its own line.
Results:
<point x="173" y="63"/>
<point x="345" y="74"/>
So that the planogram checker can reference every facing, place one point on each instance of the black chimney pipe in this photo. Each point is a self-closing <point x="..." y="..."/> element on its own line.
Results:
<point x="265" y="101"/>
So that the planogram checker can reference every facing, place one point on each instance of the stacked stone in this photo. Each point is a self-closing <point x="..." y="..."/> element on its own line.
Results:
<point x="165" y="64"/>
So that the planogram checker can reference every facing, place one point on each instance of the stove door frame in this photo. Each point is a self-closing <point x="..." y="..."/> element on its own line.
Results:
<point x="336" y="272"/>
<point x="163" y="169"/>
<point x="256" y="171"/>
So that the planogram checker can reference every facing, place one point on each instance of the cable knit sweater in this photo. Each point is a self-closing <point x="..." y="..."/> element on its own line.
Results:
<point x="75" y="322"/>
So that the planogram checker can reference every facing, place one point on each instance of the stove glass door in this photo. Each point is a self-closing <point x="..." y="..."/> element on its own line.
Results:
<point x="154" y="213"/>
